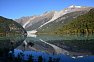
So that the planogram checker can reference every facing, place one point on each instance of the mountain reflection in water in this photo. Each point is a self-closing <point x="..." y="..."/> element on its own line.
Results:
<point x="66" y="48"/>
<point x="79" y="48"/>
<point x="69" y="45"/>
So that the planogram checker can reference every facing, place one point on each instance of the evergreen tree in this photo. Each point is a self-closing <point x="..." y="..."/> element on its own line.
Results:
<point x="40" y="59"/>
<point x="50" y="59"/>
<point x="30" y="59"/>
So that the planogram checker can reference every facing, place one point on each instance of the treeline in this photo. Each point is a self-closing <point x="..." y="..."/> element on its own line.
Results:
<point x="83" y="24"/>
<point x="20" y="58"/>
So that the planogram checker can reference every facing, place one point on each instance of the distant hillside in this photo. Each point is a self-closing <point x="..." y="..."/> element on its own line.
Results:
<point x="51" y="19"/>
<point x="9" y="27"/>
<point x="58" y="23"/>
<point x="82" y="24"/>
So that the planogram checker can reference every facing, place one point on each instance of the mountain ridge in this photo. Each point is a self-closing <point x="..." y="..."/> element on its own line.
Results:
<point x="37" y="22"/>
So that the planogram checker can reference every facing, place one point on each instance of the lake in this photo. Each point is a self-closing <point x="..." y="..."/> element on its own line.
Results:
<point x="77" y="44"/>
<point x="66" y="48"/>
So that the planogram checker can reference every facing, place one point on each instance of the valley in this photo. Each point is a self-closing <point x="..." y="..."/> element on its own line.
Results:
<point x="69" y="32"/>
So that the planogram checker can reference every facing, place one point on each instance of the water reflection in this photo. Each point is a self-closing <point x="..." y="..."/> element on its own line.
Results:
<point x="73" y="45"/>
<point x="45" y="46"/>
<point x="55" y="46"/>
<point x="9" y="43"/>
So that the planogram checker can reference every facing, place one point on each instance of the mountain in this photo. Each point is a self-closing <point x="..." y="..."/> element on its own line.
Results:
<point x="52" y="19"/>
<point x="8" y="26"/>
<point x="82" y="24"/>
<point x="29" y="23"/>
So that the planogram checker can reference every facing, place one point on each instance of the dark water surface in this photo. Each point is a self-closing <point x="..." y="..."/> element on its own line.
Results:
<point x="74" y="48"/>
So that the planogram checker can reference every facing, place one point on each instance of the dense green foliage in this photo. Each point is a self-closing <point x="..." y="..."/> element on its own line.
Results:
<point x="83" y="24"/>
<point x="79" y="22"/>
<point x="59" y="22"/>
<point x="9" y="27"/>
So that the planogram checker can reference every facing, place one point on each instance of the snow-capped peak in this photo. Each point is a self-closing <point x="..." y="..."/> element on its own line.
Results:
<point x="73" y="6"/>
<point x="37" y="22"/>
<point x="57" y="14"/>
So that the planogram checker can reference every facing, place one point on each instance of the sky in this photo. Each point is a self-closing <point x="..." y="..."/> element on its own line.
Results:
<point x="15" y="9"/>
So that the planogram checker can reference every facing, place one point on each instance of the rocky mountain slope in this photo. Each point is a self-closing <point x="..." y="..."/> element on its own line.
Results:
<point x="82" y="24"/>
<point x="53" y="19"/>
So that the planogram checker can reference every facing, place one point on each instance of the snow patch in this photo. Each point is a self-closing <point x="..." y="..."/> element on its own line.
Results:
<point x="73" y="6"/>
<point x="80" y="56"/>
<point x="31" y="33"/>
<point x="74" y="57"/>
<point x="56" y="15"/>
<point x="25" y="42"/>
<point x="28" y="22"/>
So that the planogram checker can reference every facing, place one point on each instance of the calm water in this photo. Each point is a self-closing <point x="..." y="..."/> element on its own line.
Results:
<point x="74" y="48"/>
<point x="83" y="45"/>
